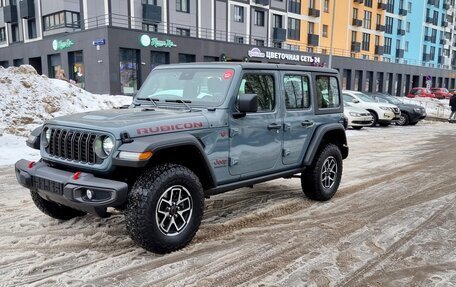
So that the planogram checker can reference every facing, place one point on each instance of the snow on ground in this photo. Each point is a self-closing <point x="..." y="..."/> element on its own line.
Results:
<point x="28" y="99"/>
<point x="13" y="148"/>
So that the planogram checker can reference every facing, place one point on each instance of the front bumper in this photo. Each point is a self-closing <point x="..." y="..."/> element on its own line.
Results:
<point x="62" y="187"/>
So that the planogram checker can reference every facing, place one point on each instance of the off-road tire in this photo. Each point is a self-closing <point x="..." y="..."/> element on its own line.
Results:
<point x="147" y="196"/>
<point x="53" y="209"/>
<point x="311" y="179"/>
<point x="404" y="120"/>
<point x="356" y="127"/>
<point x="374" y="118"/>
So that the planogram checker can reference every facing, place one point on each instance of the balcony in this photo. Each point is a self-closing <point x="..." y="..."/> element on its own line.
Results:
<point x="429" y="20"/>
<point x="312" y="39"/>
<point x="427" y="38"/>
<point x="401" y="32"/>
<point x="356" y="47"/>
<point x="262" y="2"/>
<point x="431" y="2"/>
<point x="381" y="6"/>
<point x="446" y="6"/>
<point x="444" y="24"/>
<point x="358" y="1"/>
<point x="426" y="57"/>
<point x="152" y="13"/>
<point x="27" y="9"/>
<point x="400" y="53"/>
<point x="380" y="28"/>
<point x="357" y="22"/>
<point x="279" y="34"/>
<point x="10" y="14"/>
<point x="441" y="59"/>
<point x="403" y="12"/>
<point x="379" y="50"/>
<point x="442" y="41"/>
<point x="314" y="12"/>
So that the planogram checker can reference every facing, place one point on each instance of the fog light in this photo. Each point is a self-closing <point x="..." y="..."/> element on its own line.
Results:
<point x="89" y="194"/>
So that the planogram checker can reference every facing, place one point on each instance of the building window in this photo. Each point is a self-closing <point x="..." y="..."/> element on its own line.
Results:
<point x="183" y="6"/>
<point x="77" y="71"/>
<point x="31" y="28"/>
<point x="368" y="3"/>
<point x="150" y="2"/>
<point x="409" y="7"/>
<point x="389" y="25"/>
<point x="158" y="58"/>
<point x="150" y="27"/>
<point x="355" y="13"/>
<point x="2" y="34"/>
<point x="258" y="42"/>
<point x="390" y="6"/>
<point x="238" y="13"/>
<point x="276" y="21"/>
<point x="325" y="31"/>
<point x="379" y="19"/>
<point x="294" y="6"/>
<point x="129" y="70"/>
<point x="183" y="32"/>
<point x="15" y="33"/>
<point x="367" y="19"/>
<point x="406" y="46"/>
<point x="239" y="39"/>
<point x="354" y="36"/>
<point x="326" y="6"/>
<point x="366" y="42"/>
<point x="55" y="65"/>
<point x="186" y="58"/>
<point x="259" y="18"/>
<point x="408" y="27"/>
<point x="377" y="40"/>
<point x="312" y="4"/>
<point x="63" y="19"/>
<point x="294" y="29"/>
<point x="311" y="28"/>
<point x="387" y="45"/>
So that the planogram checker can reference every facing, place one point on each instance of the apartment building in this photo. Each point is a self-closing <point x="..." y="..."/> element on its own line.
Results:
<point x="110" y="46"/>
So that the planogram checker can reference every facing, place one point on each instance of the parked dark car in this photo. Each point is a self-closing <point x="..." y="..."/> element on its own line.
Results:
<point x="410" y="114"/>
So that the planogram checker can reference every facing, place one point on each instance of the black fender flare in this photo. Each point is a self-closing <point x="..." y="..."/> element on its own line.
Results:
<point x="158" y="143"/>
<point x="336" y="129"/>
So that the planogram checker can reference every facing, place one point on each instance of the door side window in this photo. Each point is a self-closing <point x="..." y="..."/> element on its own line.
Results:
<point x="327" y="92"/>
<point x="263" y="86"/>
<point x="296" y="92"/>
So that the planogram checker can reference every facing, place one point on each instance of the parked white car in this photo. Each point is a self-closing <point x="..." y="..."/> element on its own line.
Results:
<point x="357" y="117"/>
<point x="382" y="113"/>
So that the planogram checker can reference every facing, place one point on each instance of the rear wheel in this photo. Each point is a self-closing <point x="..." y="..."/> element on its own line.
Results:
<point x="403" y="120"/>
<point x="321" y="180"/>
<point x="53" y="209"/>
<point x="165" y="208"/>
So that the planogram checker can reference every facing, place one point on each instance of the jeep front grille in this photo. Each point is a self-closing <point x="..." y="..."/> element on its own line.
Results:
<point x="73" y="145"/>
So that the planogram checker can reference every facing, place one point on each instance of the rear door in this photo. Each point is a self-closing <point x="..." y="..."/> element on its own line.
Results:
<point x="299" y="118"/>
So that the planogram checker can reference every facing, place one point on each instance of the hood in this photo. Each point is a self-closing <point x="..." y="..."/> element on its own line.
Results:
<point x="138" y="121"/>
<point x="410" y="106"/>
<point x="355" y="110"/>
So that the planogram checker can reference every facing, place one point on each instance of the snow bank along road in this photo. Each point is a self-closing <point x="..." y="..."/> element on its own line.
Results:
<point x="392" y="223"/>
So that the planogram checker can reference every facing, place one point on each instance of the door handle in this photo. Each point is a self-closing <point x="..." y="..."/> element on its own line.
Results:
<point x="274" y="126"/>
<point x="307" y="123"/>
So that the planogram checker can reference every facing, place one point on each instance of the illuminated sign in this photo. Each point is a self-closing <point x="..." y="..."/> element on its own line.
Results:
<point x="257" y="53"/>
<point x="147" y="41"/>
<point x="60" y="44"/>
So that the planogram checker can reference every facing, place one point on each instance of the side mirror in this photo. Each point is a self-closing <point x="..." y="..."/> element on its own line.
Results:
<point x="248" y="103"/>
<point x="355" y="101"/>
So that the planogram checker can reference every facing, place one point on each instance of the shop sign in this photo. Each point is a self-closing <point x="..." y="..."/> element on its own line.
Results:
<point x="257" y="53"/>
<point x="60" y="45"/>
<point x="147" y="41"/>
<point x="99" y="42"/>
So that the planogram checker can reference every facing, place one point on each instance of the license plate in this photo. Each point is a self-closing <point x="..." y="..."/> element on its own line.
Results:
<point x="47" y="185"/>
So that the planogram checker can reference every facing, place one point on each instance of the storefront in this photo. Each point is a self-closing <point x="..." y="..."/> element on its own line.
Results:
<point x="117" y="60"/>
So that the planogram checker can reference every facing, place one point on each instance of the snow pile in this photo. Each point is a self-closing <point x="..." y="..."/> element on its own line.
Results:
<point x="28" y="99"/>
<point x="434" y="107"/>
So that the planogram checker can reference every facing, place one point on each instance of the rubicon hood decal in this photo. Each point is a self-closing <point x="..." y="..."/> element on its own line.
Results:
<point x="167" y="128"/>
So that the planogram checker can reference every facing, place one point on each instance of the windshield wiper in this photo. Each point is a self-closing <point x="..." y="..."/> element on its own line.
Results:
<point x="154" y="101"/>
<point x="185" y="102"/>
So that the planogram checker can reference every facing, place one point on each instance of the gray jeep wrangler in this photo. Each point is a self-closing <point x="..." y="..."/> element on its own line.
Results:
<point x="192" y="131"/>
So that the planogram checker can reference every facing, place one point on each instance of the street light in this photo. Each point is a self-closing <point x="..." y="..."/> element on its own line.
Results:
<point x="332" y="35"/>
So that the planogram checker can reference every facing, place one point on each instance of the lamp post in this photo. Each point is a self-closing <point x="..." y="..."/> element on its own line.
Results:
<point x="332" y="35"/>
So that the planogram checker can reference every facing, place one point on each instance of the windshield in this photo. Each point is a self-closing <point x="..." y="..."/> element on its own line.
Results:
<point x="206" y="87"/>
<point x="364" y="97"/>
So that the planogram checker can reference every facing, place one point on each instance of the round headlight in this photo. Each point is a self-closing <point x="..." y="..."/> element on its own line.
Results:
<point x="108" y="145"/>
<point x="47" y="137"/>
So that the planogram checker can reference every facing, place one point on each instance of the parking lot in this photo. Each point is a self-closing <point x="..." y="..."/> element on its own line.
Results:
<point x="392" y="223"/>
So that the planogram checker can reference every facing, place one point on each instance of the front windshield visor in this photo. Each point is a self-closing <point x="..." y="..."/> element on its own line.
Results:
<point x="200" y="87"/>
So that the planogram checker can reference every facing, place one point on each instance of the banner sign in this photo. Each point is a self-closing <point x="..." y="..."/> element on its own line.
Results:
<point x="147" y="41"/>
<point x="257" y="53"/>
<point x="60" y="45"/>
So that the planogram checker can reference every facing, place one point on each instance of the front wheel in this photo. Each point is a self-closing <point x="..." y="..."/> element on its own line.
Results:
<point x="374" y="118"/>
<point x="403" y="120"/>
<point x="165" y="208"/>
<point x="53" y="209"/>
<point x="321" y="180"/>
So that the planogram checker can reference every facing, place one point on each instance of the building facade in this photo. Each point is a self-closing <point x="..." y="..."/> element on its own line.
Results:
<point x="110" y="46"/>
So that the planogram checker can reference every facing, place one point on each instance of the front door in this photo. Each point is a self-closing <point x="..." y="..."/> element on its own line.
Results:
<point x="256" y="139"/>
<point x="299" y="121"/>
